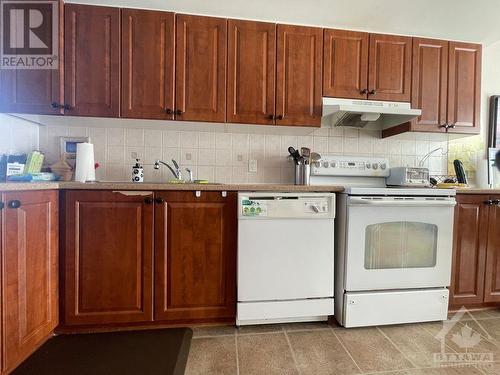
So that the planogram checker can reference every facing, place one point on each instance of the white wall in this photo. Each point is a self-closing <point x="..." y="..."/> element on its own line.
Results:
<point x="17" y="136"/>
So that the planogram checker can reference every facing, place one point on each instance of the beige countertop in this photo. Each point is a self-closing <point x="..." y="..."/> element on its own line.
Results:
<point x="20" y="186"/>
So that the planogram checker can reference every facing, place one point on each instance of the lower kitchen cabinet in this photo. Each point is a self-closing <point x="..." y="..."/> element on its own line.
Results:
<point x="147" y="258"/>
<point x="108" y="257"/>
<point x="195" y="256"/>
<point x="475" y="279"/>
<point x="29" y="273"/>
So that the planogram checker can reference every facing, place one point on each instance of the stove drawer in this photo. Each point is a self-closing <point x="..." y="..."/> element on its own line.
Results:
<point x="394" y="307"/>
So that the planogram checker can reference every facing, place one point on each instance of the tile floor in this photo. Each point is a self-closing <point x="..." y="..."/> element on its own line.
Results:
<point x="327" y="349"/>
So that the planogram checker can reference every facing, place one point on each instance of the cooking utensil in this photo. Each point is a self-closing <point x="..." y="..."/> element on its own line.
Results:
<point x="460" y="172"/>
<point x="306" y="153"/>
<point x="315" y="157"/>
<point x="295" y="155"/>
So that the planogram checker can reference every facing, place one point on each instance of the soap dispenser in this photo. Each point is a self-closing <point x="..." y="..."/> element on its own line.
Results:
<point x="137" y="172"/>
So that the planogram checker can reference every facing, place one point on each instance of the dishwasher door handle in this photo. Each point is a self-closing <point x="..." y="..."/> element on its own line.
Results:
<point x="400" y="203"/>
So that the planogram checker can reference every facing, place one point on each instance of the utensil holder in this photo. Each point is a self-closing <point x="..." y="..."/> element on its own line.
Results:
<point x="302" y="174"/>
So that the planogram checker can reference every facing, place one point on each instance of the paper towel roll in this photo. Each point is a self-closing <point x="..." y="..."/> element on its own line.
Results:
<point x="85" y="166"/>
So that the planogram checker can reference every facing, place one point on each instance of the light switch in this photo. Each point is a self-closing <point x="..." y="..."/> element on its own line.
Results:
<point x="252" y="166"/>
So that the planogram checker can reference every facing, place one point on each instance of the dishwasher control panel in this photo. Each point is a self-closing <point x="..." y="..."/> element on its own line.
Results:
<point x="286" y="205"/>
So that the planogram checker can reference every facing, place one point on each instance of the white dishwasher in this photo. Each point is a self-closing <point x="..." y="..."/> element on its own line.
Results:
<point x="285" y="257"/>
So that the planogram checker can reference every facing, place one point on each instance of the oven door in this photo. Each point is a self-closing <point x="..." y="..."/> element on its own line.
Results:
<point x="398" y="242"/>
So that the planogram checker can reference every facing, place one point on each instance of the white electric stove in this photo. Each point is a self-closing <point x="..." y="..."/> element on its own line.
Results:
<point x="393" y="246"/>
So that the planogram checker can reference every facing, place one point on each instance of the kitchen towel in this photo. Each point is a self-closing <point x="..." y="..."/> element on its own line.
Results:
<point x="85" y="166"/>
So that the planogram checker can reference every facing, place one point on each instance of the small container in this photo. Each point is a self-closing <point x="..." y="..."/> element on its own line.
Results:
<point x="62" y="169"/>
<point x="302" y="174"/>
<point x="137" y="172"/>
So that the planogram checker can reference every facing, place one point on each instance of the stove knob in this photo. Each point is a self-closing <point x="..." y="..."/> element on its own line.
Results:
<point x="317" y="164"/>
<point x="375" y="166"/>
<point x="368" y="166"/>
<point x="326" y="164"/>
<point x="383" y="166"/>
<point x="333" y="164"/>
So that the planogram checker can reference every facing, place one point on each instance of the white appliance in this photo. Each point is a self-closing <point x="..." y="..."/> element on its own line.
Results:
<point x="367" y="114"/>
<point x="285" y="257"/>
<point x="393" y="246"/>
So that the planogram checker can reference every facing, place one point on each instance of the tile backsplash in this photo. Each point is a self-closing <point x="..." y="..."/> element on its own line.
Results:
<point x="17" y="135"/>
<point x="223" y="156"/>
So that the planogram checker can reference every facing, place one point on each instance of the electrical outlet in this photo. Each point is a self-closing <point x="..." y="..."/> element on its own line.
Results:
<point x="252" y="166"/>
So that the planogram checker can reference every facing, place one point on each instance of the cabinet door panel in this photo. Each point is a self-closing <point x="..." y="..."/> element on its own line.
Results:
<point x="195" y="259"/>
<point x="147" y="64"/>
<point x="251" y="72"/>
<point x="345" y="67"/>
<point x="92" y="60"/>
<point x="299" y="75"/>
<point x="390" y="67"/>
<point x="108" y="258"/>
<point x="429" y="86"/>
<point x="469" y="250"/>
<point x="30" y="272"/>
<point x="492" y="273"/>
<point x="464" y="87"/>
<point x="201" y="68"/>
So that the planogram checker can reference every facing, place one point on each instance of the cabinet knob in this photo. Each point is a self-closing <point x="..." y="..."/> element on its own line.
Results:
<point x="2" y="205"/>
<point x="271" y="117"/>
<point x="372" y="92"/>
<point x="496" y="202"/>
<point x="489" y="202"/>
<point x="148" y="200"/>
<point x="178" y="112"/>
<point x="168" y="111"/>
<point x="14" y="204"/>
<point x="279" y="117"/>
<point x="364" y="92"/>
<point x="159" y="200"/>
<point x="447" y="126"/>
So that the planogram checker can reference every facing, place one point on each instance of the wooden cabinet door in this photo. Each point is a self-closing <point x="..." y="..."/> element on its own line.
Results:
<point x="299" y="75"/>
<point x="147" y="64"/>
<point x="345" y="64"/>
<point x="92" y="60"/>
<point x="33" y="91"/>
<point x="389" y="76"/>
<point x="108" y="260"/>
<point x="469" y="250"/>
<point x="201" y="53"/>
<point x="195" y="256"/>
<point x="251" y="72"/>
<point x="429" y="83"/>
<point x="492" y="273"/>
<point x="30" y="272"/>
<point x="464" y="87"/>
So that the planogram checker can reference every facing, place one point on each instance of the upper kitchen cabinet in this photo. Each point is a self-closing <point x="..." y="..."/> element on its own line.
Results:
<point x="29" y="275"/>
<point x="464" y="87"/>
<point x="36" y="91"/>
<point x="92" y="60"/>
<point x="429" y="83"/>
<point x="148" y="47"/>
<point x="299" y="75"/>
<point x="201" y="54"/>
<point x="389" y="68"/>
<point x="195" y="256"/>
<point x="251" y="72"/>
<point x="148" y="73"/>
<point x="345" y="64"/>
<point x="107" y="257"/>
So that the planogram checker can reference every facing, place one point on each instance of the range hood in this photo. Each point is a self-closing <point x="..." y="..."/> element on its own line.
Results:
<point x="366" y="114"/>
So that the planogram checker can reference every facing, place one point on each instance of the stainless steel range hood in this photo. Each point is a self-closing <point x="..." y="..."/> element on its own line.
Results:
<point x="366" y="114"/>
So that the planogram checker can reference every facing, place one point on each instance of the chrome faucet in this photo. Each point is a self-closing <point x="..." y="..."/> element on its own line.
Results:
<point x="175" y="172"/>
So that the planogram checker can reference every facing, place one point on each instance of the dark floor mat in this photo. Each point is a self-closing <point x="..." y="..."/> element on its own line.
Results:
<point x="152" y="352"/>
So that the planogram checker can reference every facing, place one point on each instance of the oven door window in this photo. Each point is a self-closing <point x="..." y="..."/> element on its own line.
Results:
<point x="400" y="244"/>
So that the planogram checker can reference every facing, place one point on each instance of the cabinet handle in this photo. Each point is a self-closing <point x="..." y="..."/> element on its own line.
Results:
<point x="2" y="205"/>
<point x="372" y="92"/>
<point x="14" y="204"/>
<point x="148" y="200"/>
<point x="279" y="117"/>
<point x="271" y="117"/>
<point x="489" y="202"/>
<point x="168" y="111"/>
<point x="178" y="112"/>
<point x="447" y="126"/>
<point x="364" y="92"/>
<point x="496" y="202"/>
<point x="159" y="200"/>
<point x="66" y="107"/>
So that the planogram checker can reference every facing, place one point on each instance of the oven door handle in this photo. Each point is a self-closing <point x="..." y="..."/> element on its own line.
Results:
<point x="400" y="203"/>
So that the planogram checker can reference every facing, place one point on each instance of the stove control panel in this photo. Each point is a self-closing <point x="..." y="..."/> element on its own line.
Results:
<point x="343" y="165"/>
